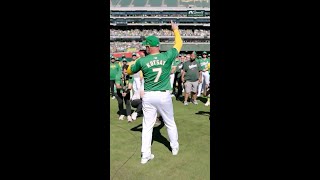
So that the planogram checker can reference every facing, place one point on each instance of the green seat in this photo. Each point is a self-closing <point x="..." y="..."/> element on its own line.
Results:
<point x="125" y="3"/>
<point x="171" y="3"/>
<point x="139" y="3"/>
<point x="155" y="3"/>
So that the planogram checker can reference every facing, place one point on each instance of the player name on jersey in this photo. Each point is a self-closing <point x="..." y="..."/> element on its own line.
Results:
<point x="155" y="62"/>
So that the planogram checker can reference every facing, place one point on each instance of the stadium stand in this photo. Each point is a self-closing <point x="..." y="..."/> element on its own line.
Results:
<point x="160" y="3"/>
<point x="132" y="20"/>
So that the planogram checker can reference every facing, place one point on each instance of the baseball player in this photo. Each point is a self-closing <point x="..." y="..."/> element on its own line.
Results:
<point x="124" y="64"/>
<point x="191" y="76"/>
<point x="208" y="90"/>
<point x="172" y="76"/>
<point x="137" y="77"/>
<point x="114" y="69"/>
<point x="124" y="85"/>
<point x="136" y="102"/>
<point x="205" y="74"/>
<point x="156" y="68"/>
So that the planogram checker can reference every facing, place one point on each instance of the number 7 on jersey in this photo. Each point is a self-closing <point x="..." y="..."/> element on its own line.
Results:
<point x="159" y="70"/>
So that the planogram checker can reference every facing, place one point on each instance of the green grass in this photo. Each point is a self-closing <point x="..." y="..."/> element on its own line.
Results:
<point x="192" y="162"/>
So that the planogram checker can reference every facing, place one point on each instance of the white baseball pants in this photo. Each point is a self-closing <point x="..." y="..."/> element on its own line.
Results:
<point x="157" y="102"/>
<point x="171" y="80"/>
<point x="205" y="79"/>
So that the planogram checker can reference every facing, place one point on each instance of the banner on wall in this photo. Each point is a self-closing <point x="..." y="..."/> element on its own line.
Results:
<point x="131" y="49"/>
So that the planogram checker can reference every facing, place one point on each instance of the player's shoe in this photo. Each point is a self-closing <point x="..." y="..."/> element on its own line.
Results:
<point x="172" y="95"/>
<point x="207" y="103"/>
<point x="195" y="102"/>
<point x="134" y="115"/>
<point x="145" y="160"/>
<point x="121" y="117"/>
<point x="185" y="103"/>
<point x="175" y="151"/>
<point x="113" y="97"/>
<point x="129" y="118"/>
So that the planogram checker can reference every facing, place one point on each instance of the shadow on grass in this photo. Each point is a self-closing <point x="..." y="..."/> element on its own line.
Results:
<point x="202" y="99"/>
<point x="204" y="113"/>
<point x="156" y="135"/>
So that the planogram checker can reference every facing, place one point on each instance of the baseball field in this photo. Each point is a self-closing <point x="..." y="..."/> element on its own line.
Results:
<point x="192" y="162"/>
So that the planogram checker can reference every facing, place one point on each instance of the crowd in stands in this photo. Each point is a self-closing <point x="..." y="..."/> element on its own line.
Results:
<point x="150" y="15"/>
<point x="118" y="46"/>
<point x="157" y="32"/>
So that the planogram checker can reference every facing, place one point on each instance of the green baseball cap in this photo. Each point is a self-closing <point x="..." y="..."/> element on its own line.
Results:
<point x="151" y="41"/>
<point x="124" y="59"/>
<point x="199" y="57"/>
<point x="204" y="52"/>
<point x="117" y="59"/>
<point x="194" y="53"/>
<point x="134" y="54"/>
<point x="112" y="57"/>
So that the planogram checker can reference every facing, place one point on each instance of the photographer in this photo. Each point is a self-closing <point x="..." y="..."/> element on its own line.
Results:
<point x="124" y="85"/>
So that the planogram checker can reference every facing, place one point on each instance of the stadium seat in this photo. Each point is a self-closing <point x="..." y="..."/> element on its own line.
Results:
<point x="155" y="3"/>
<point x="125" y="3"/>
<point x="171" y="3"/>
<point x="139" y="3"/>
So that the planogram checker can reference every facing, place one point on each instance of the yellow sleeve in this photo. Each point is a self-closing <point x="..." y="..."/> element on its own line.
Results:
<point x="141" y="75"/>
<point x="208" y="66"/>
<point x="177" y="40"/>
<point x="129" y="67"/>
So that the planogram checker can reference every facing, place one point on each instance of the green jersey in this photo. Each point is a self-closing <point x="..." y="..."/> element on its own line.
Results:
<point x="123" y="82"/>
<point x="156" y="70"/>
<point x="191" y="69"/>
<point x="114" y="69"/>
<point x="204" y="63"/>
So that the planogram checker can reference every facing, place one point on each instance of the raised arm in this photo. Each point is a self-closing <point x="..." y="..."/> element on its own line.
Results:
<point x="134" y="67"/>
<point x="177" y="37"/>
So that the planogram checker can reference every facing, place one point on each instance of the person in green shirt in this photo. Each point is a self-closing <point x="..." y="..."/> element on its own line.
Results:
<point x="191" y="76"/>
<point x="114" y="69"/>
<point x="124" y="85"/>
<point x="156" y="69"/>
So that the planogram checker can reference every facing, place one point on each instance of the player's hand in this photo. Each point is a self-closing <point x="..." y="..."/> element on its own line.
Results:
<point x="174" y="26"/>
<point x="182" y="80"/>
<point x="200" y="80"/>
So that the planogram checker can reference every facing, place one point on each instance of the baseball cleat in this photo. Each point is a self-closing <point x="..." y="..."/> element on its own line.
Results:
<point x="121" y="117"/>
<point x="207" y="104"/>
<point x="175" y="151"/>
<point x="113" y="97"/>
<point x="185" y="103"/>
<point x="145" y="160"/>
